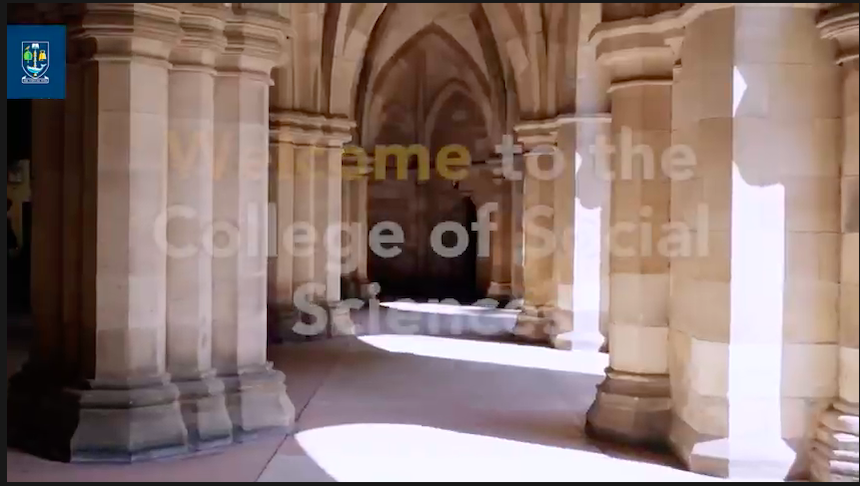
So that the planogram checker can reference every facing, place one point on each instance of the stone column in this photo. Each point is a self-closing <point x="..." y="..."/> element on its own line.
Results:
<point x="310" y="149"/>
<point x="633" y="403"/>
<point x="189" y="216"/>
<point x="128" y="409"/>
<point x="347" y="269"/>
<point x="591" y="276"/>
<point x="536" y="321"/>
<point x="256" y="398"/>
<point x="72" y="211"/>
<point x="517" y="240"/>
<point x="355" y="174"/>
<point x="359" y="208"/>
<point x="564" y="205"/>
<point x="585" y="306"/>
<point x="754" y="295"/>
<point x="591" y="251"/>
<point x="834" y="451"/>
<point x="329" y="223"/>
<point x="502" y="241"/>
<point x="292" y="196"/>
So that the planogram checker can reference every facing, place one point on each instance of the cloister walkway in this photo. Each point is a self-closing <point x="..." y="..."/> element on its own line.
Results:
<point x="385" y="406"/>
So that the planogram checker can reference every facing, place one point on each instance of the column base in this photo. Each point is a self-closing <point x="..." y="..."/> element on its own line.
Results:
<point x="119" y="422"/>
<point x="543" y="324"/>
<point x="584" y="337"/>
<point x="295" y="325"/>
<point x="354" y="287"/>
<point x="834" y="454"/>
<point x="501" y="292"/>
<point x="564" y="337"/>
<point x="366" y="289"/>
<point x="204" y="410"/>
<point x="257" y="402"/>
<point x="631" y="408"/>
<point x="749" y="458"/>
<point x="339" y="320"/>
<point x="128" y="421"/>
<point x="285" y="317"/>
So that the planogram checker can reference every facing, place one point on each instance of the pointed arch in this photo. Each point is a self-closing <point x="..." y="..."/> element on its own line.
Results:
<point x="521" y="44"/>
<point x="455" y="86"/>
<point x="348" y="29"/>
<point x="373" y="95"/>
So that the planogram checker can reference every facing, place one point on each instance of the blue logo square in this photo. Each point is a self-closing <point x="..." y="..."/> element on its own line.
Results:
<point x="35" y="62"/>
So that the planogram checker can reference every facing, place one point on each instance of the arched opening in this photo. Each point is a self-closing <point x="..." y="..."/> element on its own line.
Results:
<point x="428" y="99"/>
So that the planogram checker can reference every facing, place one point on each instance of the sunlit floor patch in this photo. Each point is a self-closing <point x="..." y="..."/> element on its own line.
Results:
<point x="448" y="309"/>
<point x="492" y="353"/>
<point x="395" y="452"/>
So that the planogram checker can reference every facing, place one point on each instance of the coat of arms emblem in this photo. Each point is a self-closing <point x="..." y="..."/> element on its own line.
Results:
<point x="35" y="60"/>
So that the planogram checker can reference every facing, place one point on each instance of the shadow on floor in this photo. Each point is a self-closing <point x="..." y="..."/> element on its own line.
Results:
<point x="388" y="398"/>
<point x="412" y="407"/>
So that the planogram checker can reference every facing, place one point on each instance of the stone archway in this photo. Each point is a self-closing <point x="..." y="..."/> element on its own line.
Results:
<point x="429" y="92"/>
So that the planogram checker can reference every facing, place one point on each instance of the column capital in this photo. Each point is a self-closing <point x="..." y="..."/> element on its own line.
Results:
<point x="644" y="50"/>
<point x="675" y="39"/>
<point x="638" y="59"/>
<point x="202" y="35"/>
<point x="120" y="31"/>
<point x="840" y="24"/>
<point x="584" y="118"/>
<point x="534" y="133"/>
<point x="256" y="42"/>
<point x="310" y="129"/>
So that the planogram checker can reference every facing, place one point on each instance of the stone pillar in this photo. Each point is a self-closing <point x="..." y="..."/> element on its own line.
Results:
<point x="834" y="450"/>
<point x="355" y="174"/>
<point x="591" y="262"/>
<point x="536" y="321"/>
<point x="517" y="239"/>
<point x="677" y="202"/>
<point x="310" y="149"/>
<point x="517" y="243"/>
<point x="256" y="397"/>
<point x="502" y="241"/>
<point x="754" y="295"/>
<point x="593" y="192"/>
<point x="588" y="301"/>
<point x="564" y="206"/>
<point x="347" y="269"/>
<point x="320" y="178"/>
<point x="189" y="211"/>
<point x="633" y="402"/>
<point x="359" y="208"/>
<point x="72" y="212"/>
<point x="329" y="224"/>
<point x="291" y="196"/>
<point x="128" y="409"/>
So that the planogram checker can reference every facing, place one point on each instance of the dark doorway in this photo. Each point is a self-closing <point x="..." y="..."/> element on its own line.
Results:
<point x="432" y="264"/>
<point x="18" y="208"/>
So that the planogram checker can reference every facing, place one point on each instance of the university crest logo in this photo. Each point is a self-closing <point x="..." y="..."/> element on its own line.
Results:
<point x="35" y="61"/>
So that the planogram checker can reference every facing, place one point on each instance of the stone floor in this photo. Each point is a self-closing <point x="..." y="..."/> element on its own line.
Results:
<point x="390" y="406"/>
